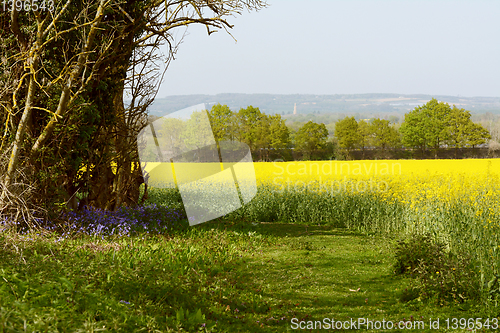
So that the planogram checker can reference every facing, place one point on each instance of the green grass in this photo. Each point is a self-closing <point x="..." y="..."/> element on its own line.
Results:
<point x="231" y="277"/>
<point x="283" y="256"/>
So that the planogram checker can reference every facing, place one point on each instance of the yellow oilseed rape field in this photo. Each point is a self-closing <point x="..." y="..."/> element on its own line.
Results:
<point x="406" y="181"/>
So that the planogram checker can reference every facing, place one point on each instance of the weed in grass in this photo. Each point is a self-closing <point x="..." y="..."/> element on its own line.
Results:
<point x="439" y="274"/>
<point x="414" y="249"/>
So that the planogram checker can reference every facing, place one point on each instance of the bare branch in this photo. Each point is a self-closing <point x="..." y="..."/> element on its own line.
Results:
<point x="63" y="101"/>
<point x="56" y="19"/>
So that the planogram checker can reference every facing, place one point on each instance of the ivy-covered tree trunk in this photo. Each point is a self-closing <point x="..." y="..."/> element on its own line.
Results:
<point x="65" y="120"/>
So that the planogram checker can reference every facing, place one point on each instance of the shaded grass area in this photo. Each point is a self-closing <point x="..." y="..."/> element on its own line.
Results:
<point x="220" y="276"/>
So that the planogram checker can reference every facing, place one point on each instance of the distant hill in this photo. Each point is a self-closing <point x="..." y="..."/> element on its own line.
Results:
<point x="366" y="104"/>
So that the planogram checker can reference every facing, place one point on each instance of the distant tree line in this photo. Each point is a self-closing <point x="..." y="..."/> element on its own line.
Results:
<point x="431" y="127"/>
<point x="266" y="135"/>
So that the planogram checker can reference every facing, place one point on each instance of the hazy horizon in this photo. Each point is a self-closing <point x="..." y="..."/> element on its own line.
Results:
<point x="367" y="93"/>
<point x="328" y="47"/>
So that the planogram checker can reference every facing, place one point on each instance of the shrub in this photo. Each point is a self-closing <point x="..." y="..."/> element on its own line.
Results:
<point x="439" y="274"/>
<point x="415" y="249"/>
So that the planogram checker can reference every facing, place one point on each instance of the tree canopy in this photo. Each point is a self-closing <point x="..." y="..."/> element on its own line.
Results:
<point x="437" y="123"/>
<point x="311" y="136"/>
<point x="383" y="134"/>
<point x="347" y="133"/>
<point x="423" y="127"/>
<point x="251" y="126"/>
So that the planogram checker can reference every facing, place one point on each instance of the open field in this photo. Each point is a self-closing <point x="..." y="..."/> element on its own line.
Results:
<point x="319" y="240"/>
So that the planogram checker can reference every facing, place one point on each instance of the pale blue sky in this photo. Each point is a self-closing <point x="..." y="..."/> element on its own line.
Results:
<point x="434" y="47"/>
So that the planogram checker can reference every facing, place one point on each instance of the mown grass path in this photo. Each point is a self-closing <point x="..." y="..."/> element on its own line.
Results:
<point x="218" y="276"/>
<point x="321" y="272"/>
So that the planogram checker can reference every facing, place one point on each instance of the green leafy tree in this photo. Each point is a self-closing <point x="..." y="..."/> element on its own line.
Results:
<point x="476" y="135"/>
<point x="221" y="120"/>
<point x="311" y="137"/>
<point x="457" y="127"/>
<point x="272" y="133"/>
<point x="365" y="135"/>
<point x="269" y="132"/>
<point x="279" y="134"/>
<point x="461" y="131"/>
<point x="424" y="126"/>
<point x="383" y="134"/>
<point x="249" y="126"/>
<point x="261" y="135"/>
<point x="347" y="133"/>
<point x="262" y="132"/>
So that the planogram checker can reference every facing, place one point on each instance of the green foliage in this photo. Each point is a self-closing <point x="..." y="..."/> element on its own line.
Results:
<point x="450" y="278"/>
<point x="365" y="134"/>
<point x="234" y="276"/>
<point x="439" y="274"/>
<point x="295" y="204"/>
<point x="476" y="135"/>
<point x="423" y="127"/>
<point x="222" y="122"/>
<point x="248" y="121"/>
<point x="347" y="133"/>
<point x="311" y="137"/>
<point x="196" y="131"/>
<point x="460" y="131"/>
<point x="264" y="132"/>
<point x="383" y="134"/>
<point x="216" y="277"/>
<point x="250" y="126"/>
<point x="457" y="127"/>
<point x="170" y="197"/>
<point x="163" y="283"/>
<point x="279" y="134"/>
<point x="191" y="321"/>
<point x="436" y="123"/>
<point x="411" y="251"/>
<point x="493" y="289"/>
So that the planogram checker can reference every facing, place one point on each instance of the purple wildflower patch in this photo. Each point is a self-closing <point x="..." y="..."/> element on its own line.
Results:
<point x="125" y="221"/>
